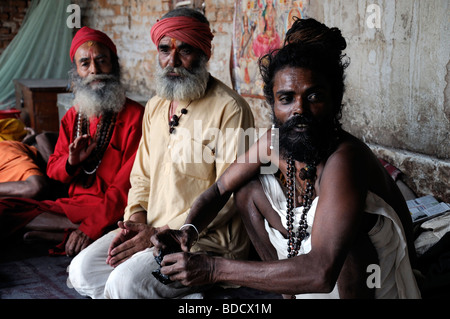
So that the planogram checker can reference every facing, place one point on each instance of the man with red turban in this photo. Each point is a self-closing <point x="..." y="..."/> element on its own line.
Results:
<point x="94" y="153"/>
<point x="186" y="145"/>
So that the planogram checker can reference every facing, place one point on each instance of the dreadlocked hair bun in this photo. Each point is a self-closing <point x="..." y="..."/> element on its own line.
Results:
<point x="310" y="31"/>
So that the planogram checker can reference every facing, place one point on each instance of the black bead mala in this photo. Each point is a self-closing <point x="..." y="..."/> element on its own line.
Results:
<point x="308" y="174"/>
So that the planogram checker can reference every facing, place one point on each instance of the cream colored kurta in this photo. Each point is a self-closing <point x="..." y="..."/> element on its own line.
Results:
<point x="172" y="170"/>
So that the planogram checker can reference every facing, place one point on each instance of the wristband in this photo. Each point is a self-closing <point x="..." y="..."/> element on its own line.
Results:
<point x="195" y="228"/>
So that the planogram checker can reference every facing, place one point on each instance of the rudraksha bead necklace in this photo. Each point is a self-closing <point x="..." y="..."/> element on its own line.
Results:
<point x="308" y="174"/>
<point x="102" y="136"/>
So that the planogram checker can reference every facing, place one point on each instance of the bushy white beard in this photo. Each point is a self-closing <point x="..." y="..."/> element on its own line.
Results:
<point x="191" y="85"/>
<point x="95" y="98"/>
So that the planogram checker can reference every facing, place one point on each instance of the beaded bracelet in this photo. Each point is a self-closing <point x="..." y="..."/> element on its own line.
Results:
<point x="195" y="228"/>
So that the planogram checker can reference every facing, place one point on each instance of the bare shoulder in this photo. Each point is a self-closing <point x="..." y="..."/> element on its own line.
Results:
<point x="350" y="172"/>
<point x="354" y="160"/>
<point x="352" y="155"/>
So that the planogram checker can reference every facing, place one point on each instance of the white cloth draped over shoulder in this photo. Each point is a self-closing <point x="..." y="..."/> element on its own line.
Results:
<point x="396" y="280"/>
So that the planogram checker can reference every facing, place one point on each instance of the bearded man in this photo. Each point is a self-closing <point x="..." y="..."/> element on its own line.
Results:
<point x="94" y="153"/>
<point x="178" y="158"/>
<point x="331" y="223"/>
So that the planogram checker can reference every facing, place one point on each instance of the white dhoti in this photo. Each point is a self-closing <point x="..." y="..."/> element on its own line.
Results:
<point x="396" y="279"/>
<point x="91" y="276"/>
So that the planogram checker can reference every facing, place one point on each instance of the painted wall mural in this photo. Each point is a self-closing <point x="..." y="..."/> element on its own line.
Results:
<point x="259" y="27"/>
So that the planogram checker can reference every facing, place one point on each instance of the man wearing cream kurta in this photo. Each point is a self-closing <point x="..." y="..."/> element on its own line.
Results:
<point x="192" y="131"/>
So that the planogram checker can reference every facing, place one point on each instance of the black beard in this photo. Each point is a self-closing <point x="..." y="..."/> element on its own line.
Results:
<point x="310" y="146"/>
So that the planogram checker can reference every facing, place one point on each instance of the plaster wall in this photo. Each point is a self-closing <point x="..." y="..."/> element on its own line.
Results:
<point x="397" y="82"/>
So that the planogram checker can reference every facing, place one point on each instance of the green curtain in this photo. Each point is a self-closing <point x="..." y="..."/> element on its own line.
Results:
<point x="40" y="50"/>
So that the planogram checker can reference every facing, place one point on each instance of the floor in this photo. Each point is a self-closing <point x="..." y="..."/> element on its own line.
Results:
<point x="28" y="272"/>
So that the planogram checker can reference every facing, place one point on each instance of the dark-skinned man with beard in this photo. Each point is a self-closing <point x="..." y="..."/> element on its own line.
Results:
<point x="93" y="155"/>
<point x="191" y="134"/>
<point x="331" y="223"/>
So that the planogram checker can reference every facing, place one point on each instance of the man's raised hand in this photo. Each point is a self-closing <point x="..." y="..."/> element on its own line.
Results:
<point x="80" y="149"/>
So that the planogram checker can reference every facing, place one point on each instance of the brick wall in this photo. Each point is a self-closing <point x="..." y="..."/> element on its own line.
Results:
<point x="12" y="13"/>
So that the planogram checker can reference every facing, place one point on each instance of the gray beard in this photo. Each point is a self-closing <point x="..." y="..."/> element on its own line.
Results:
<point x="191" y="85"/>
<point x="95" y="99"/>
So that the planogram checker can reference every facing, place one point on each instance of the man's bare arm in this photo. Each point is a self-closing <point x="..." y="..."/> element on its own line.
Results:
<point x="32" y="187"/>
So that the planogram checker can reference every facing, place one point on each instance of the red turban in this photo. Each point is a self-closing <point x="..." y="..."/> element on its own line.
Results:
<point x="185" y="29"/>
<point x="86" y="34"/>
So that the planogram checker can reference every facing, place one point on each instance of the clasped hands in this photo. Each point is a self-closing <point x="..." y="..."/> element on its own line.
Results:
<point x="179" y="264"/>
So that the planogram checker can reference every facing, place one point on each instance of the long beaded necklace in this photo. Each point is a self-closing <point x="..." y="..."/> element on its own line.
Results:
<point x="308" y="174"/>
<point x="174" y="119"/>
<point x="102" y="136"/>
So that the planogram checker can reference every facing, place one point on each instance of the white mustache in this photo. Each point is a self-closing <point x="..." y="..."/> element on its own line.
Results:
<point x="178" y="70"/>
<point x="96" y="77"/>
